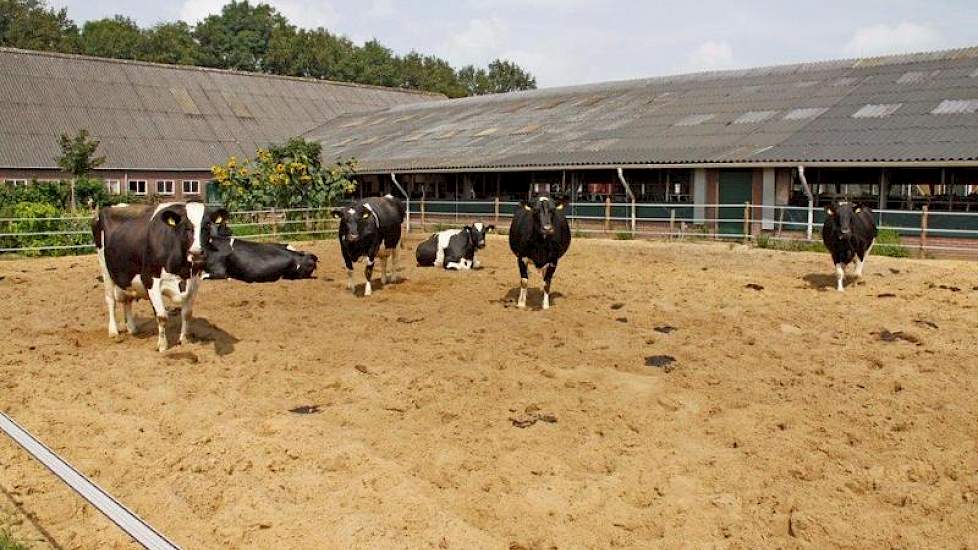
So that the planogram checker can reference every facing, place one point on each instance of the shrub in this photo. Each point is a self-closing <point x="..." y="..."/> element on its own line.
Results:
<point x="624" y="235"/>
<point x="34" y="228"/>
<point x="7" y="541"/>
<point x="888" y="244"/>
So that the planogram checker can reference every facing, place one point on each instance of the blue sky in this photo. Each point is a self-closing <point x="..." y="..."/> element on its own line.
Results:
<point x="576" y="41"/>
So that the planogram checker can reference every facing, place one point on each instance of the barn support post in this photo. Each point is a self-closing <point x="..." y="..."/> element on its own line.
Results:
<point x="631" y="195"/>
<point x="746" y="222"/>
<point x="672" y="223"/>
<point x="407" y="199"/>
<point x="923" y="228"/>
<point x="607" y="214"/>
<point x="496" y="209"/>
<point x="423" y="221"/>
<point x="811" y="202"/>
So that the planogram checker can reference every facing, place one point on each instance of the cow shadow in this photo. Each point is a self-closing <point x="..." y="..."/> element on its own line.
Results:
<point x="534" y="298"/>
<point x="201" y="330"/>
<point x="827" y="281"/>
<point x="376" y="285"/>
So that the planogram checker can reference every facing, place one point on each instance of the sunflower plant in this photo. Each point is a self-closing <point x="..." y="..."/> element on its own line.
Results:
<point x="284" y="176"/>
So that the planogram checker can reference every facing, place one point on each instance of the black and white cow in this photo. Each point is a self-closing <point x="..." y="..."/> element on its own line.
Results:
<point x="154" y="252"/>
<point x="454" y="248"/>
<point x="253" y="262"/>
<point x="849" y="233"/>
<point x="540" y="234"/>
<point x="371" y="228"/>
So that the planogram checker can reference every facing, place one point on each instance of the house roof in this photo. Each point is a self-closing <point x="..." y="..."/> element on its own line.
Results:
<point x="162" y="117"/>
<point x="896" y="109"/>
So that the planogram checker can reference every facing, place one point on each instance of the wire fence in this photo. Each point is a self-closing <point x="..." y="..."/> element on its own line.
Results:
<point x="913" y="231"/>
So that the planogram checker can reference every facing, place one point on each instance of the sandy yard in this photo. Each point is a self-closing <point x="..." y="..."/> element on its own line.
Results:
<point x="443" y="417"/>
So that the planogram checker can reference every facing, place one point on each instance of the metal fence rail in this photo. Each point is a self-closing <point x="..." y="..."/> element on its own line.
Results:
<point x="920" y="230"/>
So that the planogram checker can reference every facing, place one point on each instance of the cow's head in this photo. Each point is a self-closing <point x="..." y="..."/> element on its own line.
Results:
<point x="305" y="266"/>
<point x="477" y="234"/>
<point x="194" y="226"/>
<point x="357" y="222"/>
<point x="546" y="212"/>
<point x="843" y="213"/>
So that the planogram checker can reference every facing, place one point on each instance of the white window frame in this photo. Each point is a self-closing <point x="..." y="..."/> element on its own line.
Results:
<point x="163" y="184"/>
<point x="15" y="181"/>
<point x="114" y="187"/>
<point x="137" y="191"/>
<point x="195" y="187"/>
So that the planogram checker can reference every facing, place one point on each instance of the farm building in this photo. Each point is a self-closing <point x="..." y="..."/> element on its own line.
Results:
<point x="161" y="127"/>
<point x="899" y="132"/>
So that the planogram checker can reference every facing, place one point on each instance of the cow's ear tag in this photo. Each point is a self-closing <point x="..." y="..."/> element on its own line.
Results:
<point x="560" y="206"/>
<point x="830" y="212"/>
<point x="527" y="207"/>
<point x="219" y="219"/>
<point x="365" y="215"/>
<point x="859" y="209"/>
<point x="171" y="221"/>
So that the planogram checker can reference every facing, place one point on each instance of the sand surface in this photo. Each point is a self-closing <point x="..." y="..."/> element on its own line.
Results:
<point x="444" y="417"/>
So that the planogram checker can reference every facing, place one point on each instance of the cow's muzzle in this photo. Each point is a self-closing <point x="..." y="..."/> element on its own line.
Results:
<point x="548" y="229"/>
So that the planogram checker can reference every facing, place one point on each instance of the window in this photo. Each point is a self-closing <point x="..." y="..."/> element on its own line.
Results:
<point x="137" y="187"/>
<point x="114" y="187"/>
<point x="16" y="182"/>
<point x="191" y="187"/>
<point x="805" y="113"/>
<point x="956" y="107"/>
<point x="694" y="120"/>
<point x="164" y="187"/>
<point x="752" y="117"/>
<point x="877" y="111"/>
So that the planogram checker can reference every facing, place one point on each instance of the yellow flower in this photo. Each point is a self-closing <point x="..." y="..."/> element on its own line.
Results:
<point x="232" y="162"/>
<point x="243" y="171"/>
<point x="280" y="168"/>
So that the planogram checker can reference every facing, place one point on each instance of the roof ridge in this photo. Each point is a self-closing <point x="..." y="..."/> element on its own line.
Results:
<point x="21" y="51"/>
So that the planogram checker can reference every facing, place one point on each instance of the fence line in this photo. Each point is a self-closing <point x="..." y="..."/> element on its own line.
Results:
<point x="949" y="231"/>
<point x="125" y="519"/>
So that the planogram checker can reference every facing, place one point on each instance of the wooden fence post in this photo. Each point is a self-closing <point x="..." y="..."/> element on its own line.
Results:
<point x="781" y="221"/>
<point x="746" y="222"/>
<point x="672" y="223"/>
<point x="923" y="228"/>
<point x="607" y="214"/>
<point x="496" y="209"/>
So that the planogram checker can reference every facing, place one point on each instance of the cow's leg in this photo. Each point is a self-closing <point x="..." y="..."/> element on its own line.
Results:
<point x="187" y="309"/>
<point x="524" y="280"/>
<point x="384" y="261"/>
<point x="110" y="293"/>
<point x="840" y="276"/>
<point x="349" y="275"/>
<point x="393" y="277"/>
<point x="159" y="308"/>
<point x="130" y="318"/>
<point x="861" y="260"/>
<point x="475" y="262"/>
<point x="547" y="277"/>
<point x="368" y="272"/>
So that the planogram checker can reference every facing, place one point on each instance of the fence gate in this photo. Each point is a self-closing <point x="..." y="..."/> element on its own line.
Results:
<point x="736" y="188"/>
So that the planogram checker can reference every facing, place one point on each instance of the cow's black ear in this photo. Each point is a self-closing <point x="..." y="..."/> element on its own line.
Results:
<point x="525" y="206"/>
<point x="170" y="218"/>
<point x="220" y="216"/>
<point x="336" y="213"/>
<point x="490" y="227"/>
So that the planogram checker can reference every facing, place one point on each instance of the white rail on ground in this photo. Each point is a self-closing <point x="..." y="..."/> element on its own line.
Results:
<point x="129" y="522"/>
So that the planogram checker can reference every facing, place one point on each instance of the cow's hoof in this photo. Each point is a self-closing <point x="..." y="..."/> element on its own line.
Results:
<point x="113" y="333"/>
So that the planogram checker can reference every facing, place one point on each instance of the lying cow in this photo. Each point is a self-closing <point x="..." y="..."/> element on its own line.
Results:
<point x="849" y="232"/>
<point x="253" y="262"/>
<point x="539" y="233"/>
<point x="152" y="252"/>
<point x="364" y="227"/>
<point x="454" y="248"/>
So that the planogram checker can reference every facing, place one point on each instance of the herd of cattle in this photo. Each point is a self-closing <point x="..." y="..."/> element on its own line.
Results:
<point x="164" y="251"/>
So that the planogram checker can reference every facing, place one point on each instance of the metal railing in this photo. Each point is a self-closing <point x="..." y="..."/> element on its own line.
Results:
<point x="921" y="230"/>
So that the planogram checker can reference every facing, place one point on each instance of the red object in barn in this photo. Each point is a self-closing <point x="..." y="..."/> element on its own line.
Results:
<point x="599" y="188"/>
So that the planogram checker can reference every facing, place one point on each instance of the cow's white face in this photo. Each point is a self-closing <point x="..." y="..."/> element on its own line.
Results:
<point x="194" y="224"/>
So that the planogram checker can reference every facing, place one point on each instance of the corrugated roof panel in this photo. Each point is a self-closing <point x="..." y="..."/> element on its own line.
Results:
<point x="805" y="113"/>
<point x="753" y="117"/>
<point x="956" y="106"/>
<point x="877" y="110"/>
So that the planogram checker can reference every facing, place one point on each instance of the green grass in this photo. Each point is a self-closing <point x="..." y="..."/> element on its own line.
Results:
<point x="7" y="542"/>
<point x="885" y="241"/>
<point x="624" y="236"/>
<point x="887" y="244"/>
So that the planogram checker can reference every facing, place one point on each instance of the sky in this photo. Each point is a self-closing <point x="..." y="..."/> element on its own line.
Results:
<point x="564" y="42"/>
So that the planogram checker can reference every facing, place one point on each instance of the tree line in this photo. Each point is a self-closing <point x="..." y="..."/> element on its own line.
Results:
<point x="252" y="37"/>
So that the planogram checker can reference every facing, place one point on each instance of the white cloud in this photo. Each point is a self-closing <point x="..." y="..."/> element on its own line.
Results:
<point x="380" y="9"/>
<point x="478" y="42"/>
<point x="710" y="56"/>
<point x="889" y="39"/>
<point x="302" y="13"/>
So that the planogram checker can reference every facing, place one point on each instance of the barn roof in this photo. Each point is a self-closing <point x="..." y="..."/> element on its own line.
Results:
<point x="907" y="108"/>
<point x="162" y="117"/>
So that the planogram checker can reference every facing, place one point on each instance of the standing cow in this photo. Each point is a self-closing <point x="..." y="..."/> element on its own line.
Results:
<point x="152" y="252"/>
<point x="454" y="248"/>
<point x="364" y="227"/>
<point x="539" y="233"/>
<point x="849" y="233"/>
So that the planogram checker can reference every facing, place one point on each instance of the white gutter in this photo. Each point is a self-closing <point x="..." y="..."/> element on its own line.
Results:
<point x="407" y="201"/>
<point x="811" y="201"/>
<point x="129" y="522"/>
<point x="628" y="190"/>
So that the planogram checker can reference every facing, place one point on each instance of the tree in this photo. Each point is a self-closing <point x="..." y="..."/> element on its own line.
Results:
<point x="78" y="158"/>
<point x="30" y="25"/>
<point x="239" y="37"/>
<point x="506" y="76"/>
<point x="118" y="37"/>
<point x="169" y="43"/>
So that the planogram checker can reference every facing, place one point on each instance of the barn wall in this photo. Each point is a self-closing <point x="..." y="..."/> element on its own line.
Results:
<point x="123" y="177"/>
